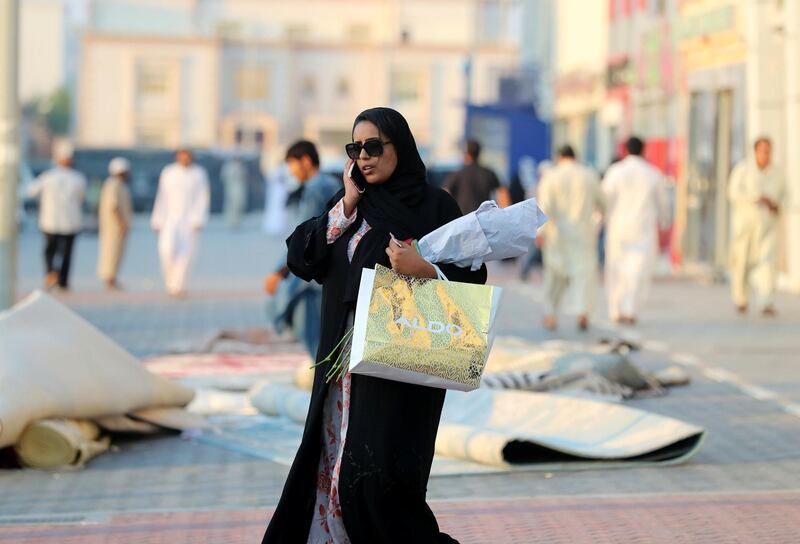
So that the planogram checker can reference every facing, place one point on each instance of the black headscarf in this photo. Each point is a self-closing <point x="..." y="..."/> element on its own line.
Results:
<point x="397" y="206"/>
<point x="389" y="206"/>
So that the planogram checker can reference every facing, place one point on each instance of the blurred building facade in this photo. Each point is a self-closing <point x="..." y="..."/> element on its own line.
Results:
<point x="713" y="48"/>
<point x="581" y="45"/>
<point x="260" y="73"/>
<point x="42" y="49"/>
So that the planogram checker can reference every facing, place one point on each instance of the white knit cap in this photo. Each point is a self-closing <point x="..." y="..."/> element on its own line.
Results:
<point x="119" y="165"/>
<point x="63" y="150"/>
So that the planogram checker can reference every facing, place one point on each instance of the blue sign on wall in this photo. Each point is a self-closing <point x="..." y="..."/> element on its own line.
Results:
<point x="507" y="134"/>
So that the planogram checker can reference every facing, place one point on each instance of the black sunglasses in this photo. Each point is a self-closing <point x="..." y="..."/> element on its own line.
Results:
<point x="374" y="148"/>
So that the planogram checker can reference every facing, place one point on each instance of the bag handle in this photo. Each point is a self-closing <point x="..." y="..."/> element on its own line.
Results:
<point x="439" y="273"/>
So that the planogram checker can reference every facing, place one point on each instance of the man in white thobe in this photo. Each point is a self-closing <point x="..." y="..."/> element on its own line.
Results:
<point x="234" y="183"/>
<point x="756" y="191"/>
<point x="570" y="195"/>
<point x="61" y="192"/>
<point x="636" y="203"/>
<point x="179" y="214"/>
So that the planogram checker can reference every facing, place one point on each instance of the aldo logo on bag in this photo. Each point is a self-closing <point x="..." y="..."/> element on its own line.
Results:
<point x="436" y="327"/>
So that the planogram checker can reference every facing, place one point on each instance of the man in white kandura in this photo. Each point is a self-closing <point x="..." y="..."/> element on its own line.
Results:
<point x="179" y="214"/>
<point x="636" y="203"/>
<point x="234" y="183"/>
<point x="570" y="195"/>
<point x="61" y="192"/>
<point x="756" y="191"/>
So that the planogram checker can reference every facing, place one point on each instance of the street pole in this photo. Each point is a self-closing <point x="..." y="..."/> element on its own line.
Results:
<point x="9" y="150"/>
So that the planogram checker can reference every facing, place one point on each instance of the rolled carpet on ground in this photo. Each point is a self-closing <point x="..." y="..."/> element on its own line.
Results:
<point x="54" y="364"/>
<point x="58" y="443"/>
<point x="516" y="427"/>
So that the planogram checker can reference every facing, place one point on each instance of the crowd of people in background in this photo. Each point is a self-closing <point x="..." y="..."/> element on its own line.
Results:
<point x="631" y="202"/>
<point x="179" y="214"/>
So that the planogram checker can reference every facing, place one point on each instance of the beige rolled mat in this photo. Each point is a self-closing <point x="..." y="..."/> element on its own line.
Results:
<point x="56" y="443"/>
<point x="125" y="424"/>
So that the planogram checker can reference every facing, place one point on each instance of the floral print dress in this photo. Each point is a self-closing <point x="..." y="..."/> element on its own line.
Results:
<point x="327" y="526"/>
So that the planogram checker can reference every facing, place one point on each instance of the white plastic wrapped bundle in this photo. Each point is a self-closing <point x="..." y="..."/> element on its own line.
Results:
<point x="488" y="234"/>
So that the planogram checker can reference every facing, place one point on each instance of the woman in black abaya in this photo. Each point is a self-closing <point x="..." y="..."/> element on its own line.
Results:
<point x="361" y="473"/>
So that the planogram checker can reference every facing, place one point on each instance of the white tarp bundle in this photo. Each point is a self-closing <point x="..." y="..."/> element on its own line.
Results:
<point x="489" y="233"/>
<point x="54" y="364"/>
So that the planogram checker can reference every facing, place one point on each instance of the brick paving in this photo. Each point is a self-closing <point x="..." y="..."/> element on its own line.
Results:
<point x="646" y="519"/>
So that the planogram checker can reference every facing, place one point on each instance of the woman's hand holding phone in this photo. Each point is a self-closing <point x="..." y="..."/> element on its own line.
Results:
<point x="352" y="194"/>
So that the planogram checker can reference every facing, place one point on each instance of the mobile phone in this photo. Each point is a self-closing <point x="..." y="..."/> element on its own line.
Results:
<point x="357" y="177"/>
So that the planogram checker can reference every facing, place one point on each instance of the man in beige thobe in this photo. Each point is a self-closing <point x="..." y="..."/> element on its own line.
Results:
<point x="570" y="195"/>
<point x="756" y="191"/>
<point x="115" y="215"/>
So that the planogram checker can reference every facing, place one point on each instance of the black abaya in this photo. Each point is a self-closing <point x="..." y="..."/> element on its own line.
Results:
<point x="392" y="425"/>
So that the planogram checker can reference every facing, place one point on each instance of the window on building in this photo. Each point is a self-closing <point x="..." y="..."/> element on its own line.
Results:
<point x="492" y="27"/>
<point x="249" y="135"/>
<point x="252" y="83"/>
<point x="358" y="32"/>
<point x="151" y="135"/>
<point x="308" y="87"/>
<point x="334" y="138"/>
<point x="298" y="33"/>
<point x="658" y="7"/>
<point x="152" y="80"/>
<point x="590" y="143"/>
<point x="343" y="88"/>
<point x="405" y="85"/>
<point x="229" y="29"/>
<point x="618" y="9"/>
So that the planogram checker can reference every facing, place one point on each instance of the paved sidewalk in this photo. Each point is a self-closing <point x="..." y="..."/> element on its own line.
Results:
<point x="744" y="485"/>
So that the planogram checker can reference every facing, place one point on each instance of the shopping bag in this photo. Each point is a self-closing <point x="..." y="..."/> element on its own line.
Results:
<point x="429" y="332"/>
